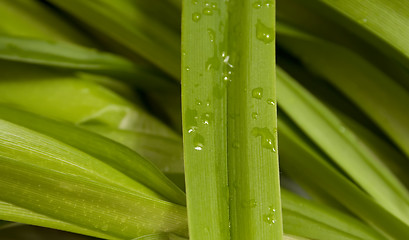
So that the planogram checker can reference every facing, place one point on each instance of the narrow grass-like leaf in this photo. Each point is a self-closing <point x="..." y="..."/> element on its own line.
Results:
<point x="166" y="153"/>
<point x="46" y="93"/>
<point x="304" y="163"/>
<point x="341" y="144"/>
<point x="308" y="219"/>
<point x="74" y="57"/>
<point x="204" y="116"/>
<point x="229" y="118"/>
<point x="384" y="24"/>
<point x="88" y="204"/>
<point x="116" y="155"/>
<point x="35" y="20"/>
<point x="308" y="19"/>
<point x="17" y="214"/>
<point x="383" y="99"/>
<point x="383" y="150"/>
<point x="27" y="146"/>
<point x="127" y="24"/>
<point x="255" y="206"/>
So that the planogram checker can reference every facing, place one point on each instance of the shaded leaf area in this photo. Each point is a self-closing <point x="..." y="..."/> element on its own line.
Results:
<point x="67" y="56"/>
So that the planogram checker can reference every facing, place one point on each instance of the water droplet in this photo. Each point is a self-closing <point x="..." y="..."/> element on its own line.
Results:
<point x="207" y="11"/>
<point x="213" y="62"/>
<point x="187" y="68"/>
<point x="270" y="101"/>
<point x="257" y="93"/>
<point x="254" y="115"/>
<point x="198" y="102"/>
<point x="270" y="216"/>
<point x="191" y="120"/>
<point x="198" y="142"/>
<point x="196" y="17"/>
<point x="206" y="118"/>
<point x="257" y="4"/>
<point x="226" y="61"/>
<point x="264" y="33"/>
<point x="191" y="129"/>
<point x="269" y="4"/>
<point x="364" y="20"/>
<point x="267" y="138"/>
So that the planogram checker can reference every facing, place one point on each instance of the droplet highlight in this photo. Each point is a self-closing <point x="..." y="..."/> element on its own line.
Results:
<point x="267" y="138"/>
<point x="198" y="142"/>
<point x="196" y="17"/>
<point x="270" y="101"/>
<point x="264" y="33"/>
<point x="257" y="93"/>
<point x="257" y="5"/>
<point x="270" y="216"/>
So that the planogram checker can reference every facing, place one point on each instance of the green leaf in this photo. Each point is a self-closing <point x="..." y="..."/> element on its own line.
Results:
<point x="384" y="24"/>
<point x="116" y="155"/>
<point x="341" y="144"/>
<point x="95" y="206"/>
<point x="306" y="164"/>
<point x="27" y="146"/>
<point x="383" y="99"/>
<point x="35" y="20"/>
<point x="229" y="120"/>
<point x="77" y="58"/>
<point x="311" y="20"/>
<point x="17" y="214"/>
<point x="128" y="25"/>
<point x="315" y="221"/>
<point x="166" y="153"/>
<point x="46" y="93"/>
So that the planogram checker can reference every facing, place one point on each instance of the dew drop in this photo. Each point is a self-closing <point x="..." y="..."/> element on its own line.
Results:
<point x="198" y="142"/>
<point x="257" y="93"/>
<point x="207" y="11"/>
<point x="187" y="68"/>
<point x="269" y="4"/>
<point x="191" y="120"/>
<point x="270" y="101"/>
<point x="206" y="118"/>
<point x="257" y="4"/>
<point x="196" y="17"/>
<point x="254" y="115"/>
<point x="270" y="216"/>
<point x="192" y="129"/>
<point x="267" y="138"/>
<point x="264" y="33"/>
